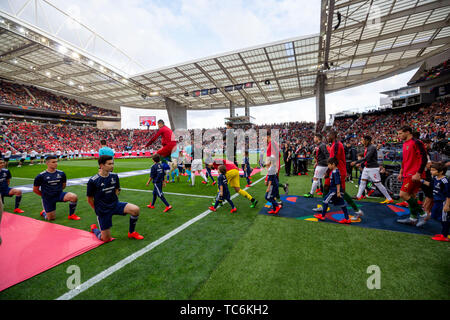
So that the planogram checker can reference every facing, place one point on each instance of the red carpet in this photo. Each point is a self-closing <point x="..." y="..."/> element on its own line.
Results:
<point x="31" y="246"/>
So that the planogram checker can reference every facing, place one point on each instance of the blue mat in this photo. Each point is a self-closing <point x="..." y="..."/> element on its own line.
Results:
<point x="377" y="216"/>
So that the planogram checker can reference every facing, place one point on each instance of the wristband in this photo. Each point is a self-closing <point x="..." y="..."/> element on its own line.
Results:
<point x="421" y="181"/>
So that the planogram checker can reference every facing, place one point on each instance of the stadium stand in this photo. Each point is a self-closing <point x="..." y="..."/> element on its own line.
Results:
<point x="32" y="97"/>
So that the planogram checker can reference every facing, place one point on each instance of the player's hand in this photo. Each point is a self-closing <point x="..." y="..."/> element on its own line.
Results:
<point x="338" y="194"/>
<point x="446" y="208"/>
<point x="353" y="163"/>
<point x="399" y="177"/>
<point x="416" y="177"/>
<point x="146" y="184"/>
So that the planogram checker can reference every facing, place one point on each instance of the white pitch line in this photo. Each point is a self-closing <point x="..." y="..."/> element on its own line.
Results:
<point x="173" y="193"/>
<point x="122" y="263"/>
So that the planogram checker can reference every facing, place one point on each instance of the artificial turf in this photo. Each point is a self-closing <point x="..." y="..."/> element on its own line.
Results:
<point x="233" y="256"/>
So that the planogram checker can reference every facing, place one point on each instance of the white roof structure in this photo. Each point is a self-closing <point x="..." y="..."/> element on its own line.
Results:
<point x="360" y="41"/>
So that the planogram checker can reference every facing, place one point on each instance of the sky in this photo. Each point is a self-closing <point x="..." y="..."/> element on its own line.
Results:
<point x="162" y="33"/>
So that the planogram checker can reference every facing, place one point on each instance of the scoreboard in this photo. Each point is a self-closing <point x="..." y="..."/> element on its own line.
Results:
<point x="148" y="121"/>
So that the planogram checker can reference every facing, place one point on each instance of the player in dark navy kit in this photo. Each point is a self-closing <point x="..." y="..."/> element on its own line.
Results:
<point x="49" y="185"/>
<point x="157" y="176"/>
<point x="247" y="169"/>
<point x="102" y="192"/>
<point x="224" y="192"/>
<point x="441" y="198"/>
<point x="334" y="195"/>
<point x="5" y="190"/>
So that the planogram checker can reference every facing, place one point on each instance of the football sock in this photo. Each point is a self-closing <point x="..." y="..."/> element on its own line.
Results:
<point x="18" y="198"/>
<point x="44" y="214"/>
<point x="97" y="233"/>
<point x="133" y="220"/>
<point x="414" y="208"/>
<point x="383" y="190"/>
<point x="314" y="186"/>
<point x="193" y="178"/>
<point x="72" y="206"/>
<point x="203" y="176"/>
<point x="245" y="194"/>
<point x="362" y="187"/>
<point x="445" y="228"/>
<point x="350" y="201"/>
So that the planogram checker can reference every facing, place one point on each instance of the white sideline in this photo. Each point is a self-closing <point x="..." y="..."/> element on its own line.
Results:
<point x="173" y="193"/>
<point x="122" y="263"/>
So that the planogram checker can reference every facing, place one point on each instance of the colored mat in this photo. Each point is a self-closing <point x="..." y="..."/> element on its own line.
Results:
<point x="376" y="215"/>
<point x="30" y="246"/>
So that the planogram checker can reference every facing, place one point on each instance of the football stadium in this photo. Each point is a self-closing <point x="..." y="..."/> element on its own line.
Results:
<point x="352" y="205"/>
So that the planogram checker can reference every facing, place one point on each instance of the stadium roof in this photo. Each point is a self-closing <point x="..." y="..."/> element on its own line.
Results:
<point x="360" y="41"/>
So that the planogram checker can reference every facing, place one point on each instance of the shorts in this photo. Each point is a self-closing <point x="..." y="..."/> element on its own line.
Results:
<point x="6" y="193"/>
<point x="105" y="219"/>
<point x="32" y="158"/>
<point x="6" y="159"/>
<point x="319" y="172"/>
<point x="233" y="178"/>
<point x="409" y="186"/>
<point x="167" y="150"/>
<point x="197" y="165"/>
<point x="437" y="212"/>
<point x="49" y="205"/>
<point x="372" y="174"/>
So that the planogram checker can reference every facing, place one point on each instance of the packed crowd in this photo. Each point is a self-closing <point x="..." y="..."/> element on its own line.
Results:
<point x="430" y="121"/>
<point x="434" y="72"/>
<point x="42" y="138"/>
<point x="15" y="94"/>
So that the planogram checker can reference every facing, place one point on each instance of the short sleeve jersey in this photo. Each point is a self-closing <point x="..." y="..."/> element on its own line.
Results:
<point x="103" y="189"/>
<point x="50" y="183"/>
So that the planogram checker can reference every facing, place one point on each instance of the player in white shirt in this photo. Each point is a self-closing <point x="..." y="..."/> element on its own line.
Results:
<point x="7" y="156"/>
<point x="22" y="158"/>
<point x="33" y="154"/>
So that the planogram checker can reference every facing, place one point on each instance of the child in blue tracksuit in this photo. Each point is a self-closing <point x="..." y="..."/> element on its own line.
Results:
<point x="441" y="198"/>
<point x="208" y="165"/>
<point x="246" y="168"/>
<point x="334" y="194"/>
<point x="224" y="192"/>
<point x="272" y="192"/>
<point x="157" y="176"/>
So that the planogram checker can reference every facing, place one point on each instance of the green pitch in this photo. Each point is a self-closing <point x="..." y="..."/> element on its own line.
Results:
<point x="232" y="256"/>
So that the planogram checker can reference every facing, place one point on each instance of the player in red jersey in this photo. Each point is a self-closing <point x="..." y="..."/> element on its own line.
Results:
<point x="412" y="170"/>
<point x="168" y="141"/>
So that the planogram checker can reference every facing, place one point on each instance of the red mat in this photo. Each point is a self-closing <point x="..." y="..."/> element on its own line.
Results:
<point x="31" y="246"/>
